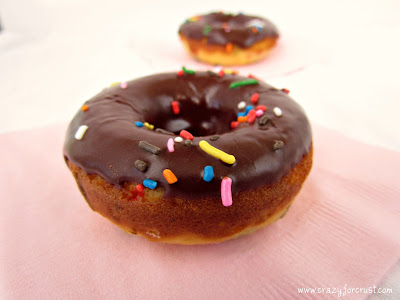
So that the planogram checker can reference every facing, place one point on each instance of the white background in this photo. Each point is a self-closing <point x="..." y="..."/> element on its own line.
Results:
<point x="339" y="59"/>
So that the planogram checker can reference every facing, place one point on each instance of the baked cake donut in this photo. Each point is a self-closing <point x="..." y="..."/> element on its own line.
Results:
<point x="227" y="39"/>
<point x="190" y="157"/>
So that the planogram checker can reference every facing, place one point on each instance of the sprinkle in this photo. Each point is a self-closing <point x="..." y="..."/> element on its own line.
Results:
<point x="178" y="139"/>
<point x="208" y="173"/>
<point x="170" y="145"/>
<point x="140" y="187"/>
<point x="277" y="111"/>
<point x="169" y="176"/>
<point x="139" y="124"/>
<point x="180" y="73"/>
<point x="148" y="126"/>
<point x="250" y="81"/>
<point x="251" y="116"/>
<point x="227" y="71"/>
<point x="221" y="73"/>
<point x="241" y="105"/>
<point x="241" y="114"/>
<point x="262" y="107"/>
<point x="229" y="47"/>
<point x="206" y="29"/>
<point x="149" y="147"/>
<point x="278" y="145"/>
<point x="242" y="119"/>
<point x="186" y="135"/>
<point x="160" y="130"/>
<point x="175" y="107"/>
<point x="248" y="108"/>
<point x="194" y="19"/>
<point x="188" y="71"/>
<point x="285" y="91"/>
<point x="259" y="113"/>
<point x="81" y="132"/>
<point x="85" y="107"/>
<point x="254" y="98"/>
<point x="226" y="191"/>
<point x="151" y="184"/>
<point x="254" y="29"/>
<point x="214" y="137"/>
<point x="141" y="165"/>
<point x="115" y="83"/>
<point x="123" y="85"/>
<point x="227" y="158"/>
<point x="264" y="120"/>
<point x="188" y="143"/>
<point x="234" y="124"/>
<point x="252" y="76"/>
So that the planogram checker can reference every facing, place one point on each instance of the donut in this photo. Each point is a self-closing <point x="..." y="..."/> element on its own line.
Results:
<point x="227" y="39"/>
<point x="190" y="157"/>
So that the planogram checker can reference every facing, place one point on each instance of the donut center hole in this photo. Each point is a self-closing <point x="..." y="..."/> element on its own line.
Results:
<point x="195" y="116"/>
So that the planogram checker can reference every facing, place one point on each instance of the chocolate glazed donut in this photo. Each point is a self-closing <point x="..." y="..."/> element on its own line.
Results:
<point x="254" y="140"/>
<point x="228" y="39"/>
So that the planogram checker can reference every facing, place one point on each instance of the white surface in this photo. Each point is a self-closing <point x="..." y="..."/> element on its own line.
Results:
<point x="339" y="59"/>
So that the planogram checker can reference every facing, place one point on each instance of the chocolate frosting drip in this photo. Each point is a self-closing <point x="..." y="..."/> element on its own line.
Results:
<point x="208" y="105"/>
<point x="227" y="28"/>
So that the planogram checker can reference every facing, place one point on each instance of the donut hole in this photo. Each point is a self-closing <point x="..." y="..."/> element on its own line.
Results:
<point x="196" y="116"/>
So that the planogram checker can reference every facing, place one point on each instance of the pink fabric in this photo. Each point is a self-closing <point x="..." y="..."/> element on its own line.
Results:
<point x="342" y="230"/>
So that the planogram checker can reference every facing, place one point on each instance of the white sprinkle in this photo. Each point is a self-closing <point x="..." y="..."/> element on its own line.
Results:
<point x="241" y="105"/>
<point x="217" y="69"/>
<point x="178" y="139"/>
<point x="81" y="132"/>
<point x="277" y="111"/>
<point x="123" y="85"/>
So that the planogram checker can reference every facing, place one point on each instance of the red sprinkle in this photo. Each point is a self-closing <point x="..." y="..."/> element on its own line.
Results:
<point x="221" y="73"/>
<point x="175" y="107"/>
<point x="180" y="73"/>
<point x="252" y="76"/>
<point x="262" y="107"/>
<point x="186" y="135"/>
<point x="251" y="116"/>
<point x="234" y="124"/>
<point x="254" y="98"/>
<point x="285" y="91"/>
<point x="140" y="187"/>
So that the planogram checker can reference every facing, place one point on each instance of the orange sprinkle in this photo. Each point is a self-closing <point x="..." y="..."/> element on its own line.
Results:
<point x="169" y="176"/>
<point x="242" y="119"/>
<point x="229" y="47"/>
<point x="85" y="107"/>
<point x="254" y="29"/>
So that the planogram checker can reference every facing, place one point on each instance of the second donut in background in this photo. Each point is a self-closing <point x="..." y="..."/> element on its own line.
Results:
<point x="227" y="39"/>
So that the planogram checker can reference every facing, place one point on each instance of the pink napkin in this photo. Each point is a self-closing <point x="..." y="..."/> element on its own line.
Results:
<point x="340" y="233"/>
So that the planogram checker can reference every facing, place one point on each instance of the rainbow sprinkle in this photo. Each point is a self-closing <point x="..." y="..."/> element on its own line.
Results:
<point x="151" y="184"/>
<point x="236" y="84"/>
<point x="188" y="71"/>
<point x="226" y="191"/>
<point x="81" y="132"/>
<point x="226" y="158"/>
<point x="170" y="145"/>
<point x="208" y="173"/>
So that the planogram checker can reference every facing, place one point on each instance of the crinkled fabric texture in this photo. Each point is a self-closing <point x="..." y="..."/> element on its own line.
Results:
<point x="341" y="230"/>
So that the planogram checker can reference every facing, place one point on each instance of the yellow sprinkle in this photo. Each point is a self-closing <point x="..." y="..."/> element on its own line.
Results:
<point x="115" y="83"/>
<point x="148" y="126"/>
<point x="227" y="158"/>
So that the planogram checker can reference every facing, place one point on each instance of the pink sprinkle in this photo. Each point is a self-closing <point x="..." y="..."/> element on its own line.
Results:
<point x="170" y="145"/>
<point x="259" y="112"/>
<point x="226" y="191"/>
<point x="123" y="85"/>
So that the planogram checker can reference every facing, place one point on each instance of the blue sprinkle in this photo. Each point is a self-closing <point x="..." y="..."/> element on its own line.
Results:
<point x="151" y="184"/>
<point x="248" y="108"/>
<point x="139" y="124"/>
<point x="241" y="114"/>
<point x="208" y="173"/>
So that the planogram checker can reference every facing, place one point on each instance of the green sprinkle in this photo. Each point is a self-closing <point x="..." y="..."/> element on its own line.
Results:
<point x="243" y="82"/>
<point x="206" y="30"/>
<point x="187" y="71"/>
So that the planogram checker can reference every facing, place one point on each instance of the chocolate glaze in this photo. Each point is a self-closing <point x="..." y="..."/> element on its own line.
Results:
<point x="110" y="146"/>
<point x="240" y="29"/>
